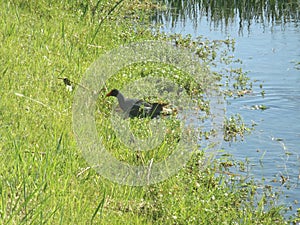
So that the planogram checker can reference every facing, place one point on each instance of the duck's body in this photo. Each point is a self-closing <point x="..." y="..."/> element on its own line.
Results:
<point x="136" y="107"/>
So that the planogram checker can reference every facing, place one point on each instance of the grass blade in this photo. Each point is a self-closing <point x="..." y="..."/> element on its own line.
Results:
<point x="99" y="207"/>
<point x="110" y="11"/>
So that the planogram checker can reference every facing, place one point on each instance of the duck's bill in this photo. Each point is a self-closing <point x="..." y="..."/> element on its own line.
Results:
<point x="108" y="94"/>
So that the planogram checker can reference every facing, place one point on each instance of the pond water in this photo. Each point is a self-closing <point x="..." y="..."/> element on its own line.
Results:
<point x="269" y="47"/>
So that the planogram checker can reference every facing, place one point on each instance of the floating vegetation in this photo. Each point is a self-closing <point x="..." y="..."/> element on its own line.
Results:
<point x="297" y="65"/>
<point x="235" y="127"/>
<point x="257" y="107"/>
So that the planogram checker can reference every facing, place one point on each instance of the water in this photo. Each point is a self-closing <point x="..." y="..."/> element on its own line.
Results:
<point x="269" y="50"/>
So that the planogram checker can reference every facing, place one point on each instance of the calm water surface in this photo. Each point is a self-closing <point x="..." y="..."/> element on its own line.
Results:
<point x="269" y="53"/>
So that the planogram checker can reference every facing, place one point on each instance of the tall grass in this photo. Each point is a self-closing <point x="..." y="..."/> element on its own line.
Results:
<point x="43" y="178"/>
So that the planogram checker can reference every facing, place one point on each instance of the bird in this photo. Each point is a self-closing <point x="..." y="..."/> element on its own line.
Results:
<point x="138" y="107"/>
<point x="68" y="83"/>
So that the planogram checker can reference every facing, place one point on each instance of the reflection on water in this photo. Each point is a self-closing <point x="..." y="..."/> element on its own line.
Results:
<point x="267" y="35"/>
<point x="222" y="13"/>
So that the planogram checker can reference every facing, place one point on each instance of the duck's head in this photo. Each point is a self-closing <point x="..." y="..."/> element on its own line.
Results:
<point x="113" y="92"/>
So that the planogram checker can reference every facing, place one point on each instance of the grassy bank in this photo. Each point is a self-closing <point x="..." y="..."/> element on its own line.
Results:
<point x="44" y="178"/>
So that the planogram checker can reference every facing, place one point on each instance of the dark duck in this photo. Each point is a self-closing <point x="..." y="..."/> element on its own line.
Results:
<point x="137" y="107"/>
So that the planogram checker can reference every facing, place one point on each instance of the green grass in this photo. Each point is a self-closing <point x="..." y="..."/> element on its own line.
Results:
<point x="44" y="178"/>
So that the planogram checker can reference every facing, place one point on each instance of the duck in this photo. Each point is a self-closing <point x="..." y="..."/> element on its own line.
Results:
<point x="138" y="107"/>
